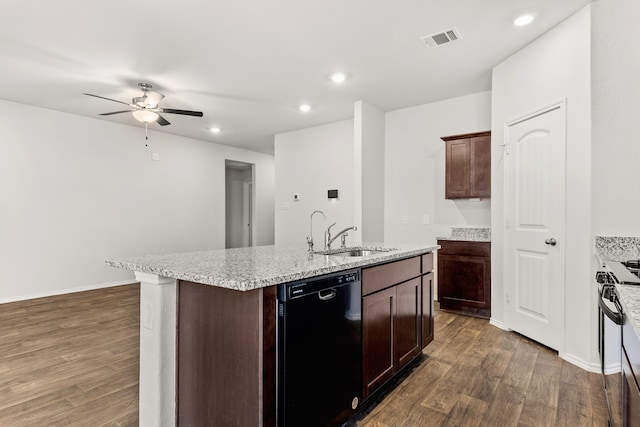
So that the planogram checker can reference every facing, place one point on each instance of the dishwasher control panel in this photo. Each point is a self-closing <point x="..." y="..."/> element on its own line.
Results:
<point x="289" y="291"/>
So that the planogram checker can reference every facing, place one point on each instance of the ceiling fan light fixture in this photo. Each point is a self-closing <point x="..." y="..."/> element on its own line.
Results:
<point x="153" y="99"/>
<point x="145" y="116"/>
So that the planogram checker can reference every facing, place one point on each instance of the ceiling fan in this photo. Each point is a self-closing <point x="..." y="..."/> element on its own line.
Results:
<point x="145" y="108"/>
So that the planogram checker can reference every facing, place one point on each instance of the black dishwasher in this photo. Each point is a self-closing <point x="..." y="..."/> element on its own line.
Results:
<point x="319" y="350"/>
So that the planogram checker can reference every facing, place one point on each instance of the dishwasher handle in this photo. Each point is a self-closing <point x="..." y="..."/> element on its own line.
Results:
<point x="326" y="297"/>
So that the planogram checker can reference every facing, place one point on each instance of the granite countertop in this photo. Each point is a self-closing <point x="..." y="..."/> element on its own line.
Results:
<point x="630" y="300"/>
<point x="245" y="269"/>
<point x="469" y="234"/>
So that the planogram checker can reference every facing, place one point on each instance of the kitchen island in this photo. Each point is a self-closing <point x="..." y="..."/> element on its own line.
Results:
<point x="207" y="327"/>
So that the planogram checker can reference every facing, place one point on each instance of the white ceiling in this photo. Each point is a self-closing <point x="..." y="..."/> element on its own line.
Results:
<point x="248" y="64"/>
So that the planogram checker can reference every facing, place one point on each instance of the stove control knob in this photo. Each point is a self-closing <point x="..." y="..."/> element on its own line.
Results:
<point x="551" y="241"/>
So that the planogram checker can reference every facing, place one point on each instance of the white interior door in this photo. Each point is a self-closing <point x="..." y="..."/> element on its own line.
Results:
<point x="534" y="225"/>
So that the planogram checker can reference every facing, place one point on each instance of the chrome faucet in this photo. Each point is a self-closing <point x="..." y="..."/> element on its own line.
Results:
<point x="310" y="237"/>
<point x="328" y="239"/>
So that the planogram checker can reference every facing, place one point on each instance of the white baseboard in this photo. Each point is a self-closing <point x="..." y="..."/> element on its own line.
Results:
<point x="65" y="291"/>
<point x="498" y="324"/>
<point x="587" y="366"/>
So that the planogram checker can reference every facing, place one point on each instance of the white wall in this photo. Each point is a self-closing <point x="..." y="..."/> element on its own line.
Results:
<point x="555" y="66"/>
<point x="415" y="172"/>
<point x="616" y="117"/>
<point x="310" y="162"/>
<point x="369" y="123"/>
<point x="78" y="190"/>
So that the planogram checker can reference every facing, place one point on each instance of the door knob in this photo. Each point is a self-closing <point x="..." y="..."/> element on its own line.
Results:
<point x="551" y="241"/>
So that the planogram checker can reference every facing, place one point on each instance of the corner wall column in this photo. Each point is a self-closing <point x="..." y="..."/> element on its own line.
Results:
<point x="157" y="389"/>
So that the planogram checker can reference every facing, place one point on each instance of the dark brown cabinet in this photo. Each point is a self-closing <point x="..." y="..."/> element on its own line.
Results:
<point x="397" y="322"/>
<point x="630" y="375"/>
<point x="468" y="165"/>
<point x="464" y="277"/>
<point x="427" y="309"/>
<point x="397" y="317"/>
<point x="378" y="313"/>
<point x="407" y="334"/>
<point x="630" y="395"/>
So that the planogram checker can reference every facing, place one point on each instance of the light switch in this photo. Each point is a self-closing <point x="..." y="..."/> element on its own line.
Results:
<point x="425" y="219"/>
<point x="405" y="220"/>
<point x="155" y="157"/>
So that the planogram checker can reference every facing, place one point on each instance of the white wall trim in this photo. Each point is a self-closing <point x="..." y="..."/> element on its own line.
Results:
<point x="591" y="367"/>
<point x="545" y="108"/>
<point x="66" y="291"/>
<point x="499" y="324"/>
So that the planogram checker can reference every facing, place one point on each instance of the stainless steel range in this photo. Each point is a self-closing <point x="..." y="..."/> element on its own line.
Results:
<point x="610" y="320"/>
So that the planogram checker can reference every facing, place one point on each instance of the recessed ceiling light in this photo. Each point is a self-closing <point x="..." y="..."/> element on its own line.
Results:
<point x="305" y="108"/>
<point x="215" y="129"/>
<point x="338" y="77"/>
<point x="523" y="20"/>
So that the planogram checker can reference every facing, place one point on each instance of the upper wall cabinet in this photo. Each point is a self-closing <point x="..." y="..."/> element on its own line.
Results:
<point x="468" y="165"/>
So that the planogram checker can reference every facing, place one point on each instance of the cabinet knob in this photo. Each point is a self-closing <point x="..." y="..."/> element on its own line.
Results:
<point x="551" y="241"/>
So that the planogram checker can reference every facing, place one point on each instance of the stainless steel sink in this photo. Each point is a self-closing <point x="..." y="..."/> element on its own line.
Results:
<point x="361" y="252"/>
<point x="356" y="252"/>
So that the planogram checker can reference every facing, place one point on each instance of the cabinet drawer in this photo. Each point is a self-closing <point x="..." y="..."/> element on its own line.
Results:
<point x="427" y="263"/>
<point x="383" y="276"/>
<point x="454" y="247"/>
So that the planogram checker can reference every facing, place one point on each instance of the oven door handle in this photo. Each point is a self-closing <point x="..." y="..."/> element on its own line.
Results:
<point x="615" y="317"/>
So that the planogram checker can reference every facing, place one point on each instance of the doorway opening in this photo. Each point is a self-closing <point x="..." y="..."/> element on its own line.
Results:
<point x="239" y="202"/>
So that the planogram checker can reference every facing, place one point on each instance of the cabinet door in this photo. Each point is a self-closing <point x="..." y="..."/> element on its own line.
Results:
<point x="630" y="395"/>
<point x="378" y="311"/>
<point x="408" y="324"/>
<point x="427" y="309"/>
<point x="457" y="168"/>
<point x="464" y="284"/>
<point x="480" y="167"/>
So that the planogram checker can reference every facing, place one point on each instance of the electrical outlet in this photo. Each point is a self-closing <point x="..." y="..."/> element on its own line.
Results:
<point x="155" y="157"/>
<point x="147" y="316"/>
<point x="405" y="219"/>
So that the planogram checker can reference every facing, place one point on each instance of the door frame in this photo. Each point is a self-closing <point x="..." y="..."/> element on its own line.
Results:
<point x="247" y="212"/>
<point x="560" y="104"/>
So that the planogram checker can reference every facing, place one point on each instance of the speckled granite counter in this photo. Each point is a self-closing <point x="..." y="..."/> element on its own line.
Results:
<point x="245" y="269"/>
<point x="630" y="300"/>
<point x="612" y="248"/>
<point x="469" y="234"/>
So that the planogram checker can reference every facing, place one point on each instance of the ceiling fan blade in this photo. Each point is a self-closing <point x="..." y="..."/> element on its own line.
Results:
<point x="116" y="112"/>
<point x="108" y="99"/>
<point x="183" y="112"/>
<point x="162" y="121"/>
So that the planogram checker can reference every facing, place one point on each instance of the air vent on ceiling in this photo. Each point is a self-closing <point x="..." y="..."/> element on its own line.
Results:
<point x="444" y="37"/>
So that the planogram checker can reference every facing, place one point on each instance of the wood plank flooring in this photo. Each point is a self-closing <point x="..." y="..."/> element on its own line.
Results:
<point x="477" y="375"/>
<point x="72" y="360"/>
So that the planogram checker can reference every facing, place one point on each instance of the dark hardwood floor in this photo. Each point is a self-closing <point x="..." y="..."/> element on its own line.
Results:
<point x="72" y="360"/>
<point x="475" y="374"/>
